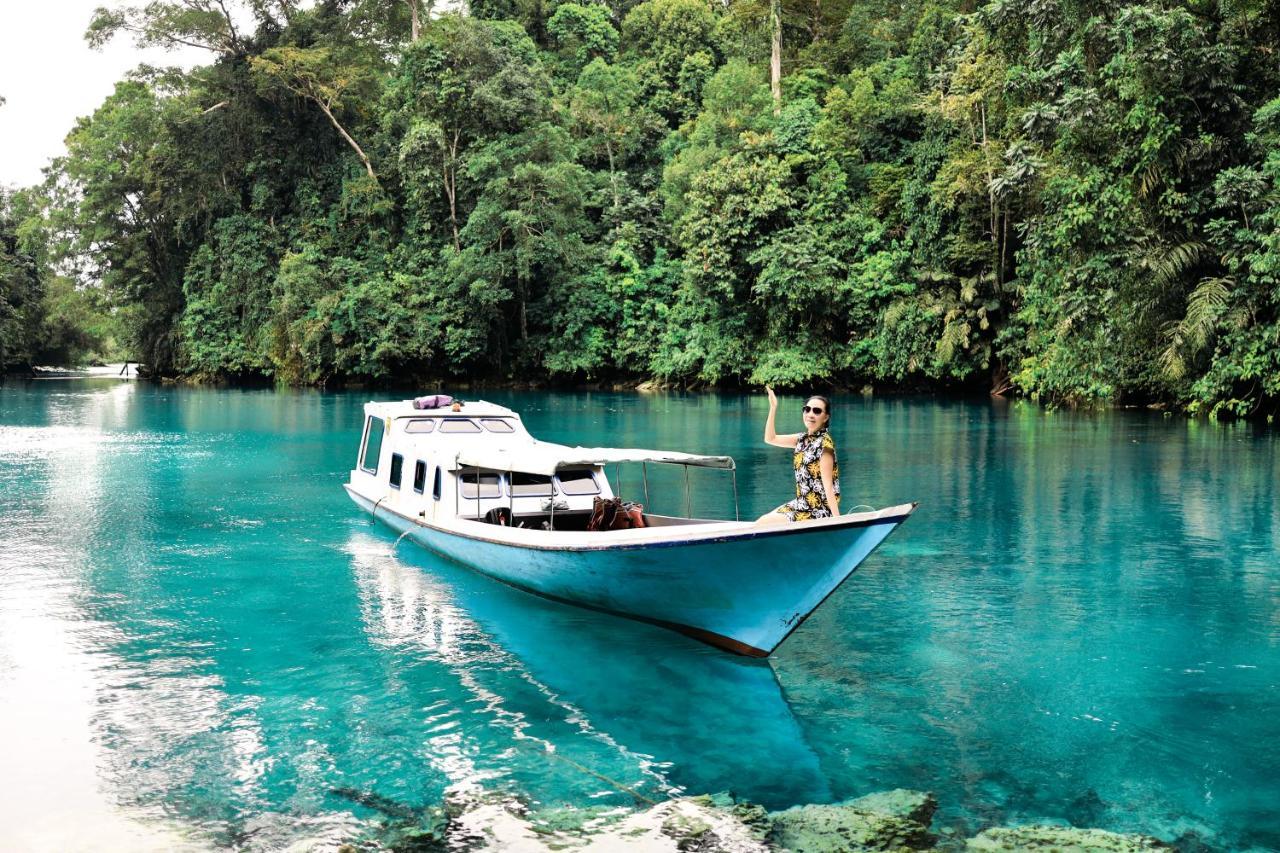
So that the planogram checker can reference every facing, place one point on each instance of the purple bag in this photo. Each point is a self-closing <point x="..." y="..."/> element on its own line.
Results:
<point x="435" y="401"/>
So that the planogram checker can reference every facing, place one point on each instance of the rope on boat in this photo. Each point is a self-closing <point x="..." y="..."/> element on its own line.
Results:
<point x="373" y="516"/>
<point x="613" y="783"/>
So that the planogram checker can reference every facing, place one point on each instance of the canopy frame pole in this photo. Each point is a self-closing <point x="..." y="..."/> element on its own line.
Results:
<point x="734" y="475"/>
<point x="644" y="472"/>
<point x="511" y="501"/>
<point x="688" y="506"/>
<point x="457" y="487"/>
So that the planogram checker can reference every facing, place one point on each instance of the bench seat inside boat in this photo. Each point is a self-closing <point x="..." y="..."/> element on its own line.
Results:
<point x="576" y="520"/>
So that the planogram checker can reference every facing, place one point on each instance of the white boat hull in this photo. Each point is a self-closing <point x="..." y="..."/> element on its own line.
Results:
<point x="741" y="586"/>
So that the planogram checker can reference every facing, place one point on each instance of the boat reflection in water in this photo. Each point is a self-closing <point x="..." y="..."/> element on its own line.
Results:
<point x="565" y="706"/>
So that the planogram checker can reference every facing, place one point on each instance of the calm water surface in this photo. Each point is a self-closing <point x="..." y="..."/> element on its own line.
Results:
<point x="203" y="642"/>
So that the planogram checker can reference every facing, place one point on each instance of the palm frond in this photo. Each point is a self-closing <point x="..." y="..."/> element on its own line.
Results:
<point x="1189" y="337"/>
<point x="1168" y="263"/>
<point x="1150" y="181"/>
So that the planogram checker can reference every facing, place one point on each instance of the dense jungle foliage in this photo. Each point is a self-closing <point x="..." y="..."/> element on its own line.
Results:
<point x="1074" y="201"/>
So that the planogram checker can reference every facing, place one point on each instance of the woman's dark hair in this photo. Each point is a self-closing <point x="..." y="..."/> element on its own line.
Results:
<point x="825" y="401"/>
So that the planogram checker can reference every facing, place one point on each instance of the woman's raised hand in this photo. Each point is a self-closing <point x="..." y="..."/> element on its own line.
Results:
<point x="770" y="431"/>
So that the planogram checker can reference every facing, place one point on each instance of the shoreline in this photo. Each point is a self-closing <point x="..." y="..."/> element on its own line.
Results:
<point x="635" y="385"/>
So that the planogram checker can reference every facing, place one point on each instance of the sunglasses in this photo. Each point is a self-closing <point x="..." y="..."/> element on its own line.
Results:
<point x="817" y="410"/>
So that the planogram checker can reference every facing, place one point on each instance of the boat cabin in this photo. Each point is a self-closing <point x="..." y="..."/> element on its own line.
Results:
<point x="480" y="464"/>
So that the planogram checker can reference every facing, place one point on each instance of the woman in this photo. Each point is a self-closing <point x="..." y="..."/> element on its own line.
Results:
<point x="817" y="471"/>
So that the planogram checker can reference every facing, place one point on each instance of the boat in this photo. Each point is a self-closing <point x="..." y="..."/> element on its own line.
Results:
<point x="469" y="482"/>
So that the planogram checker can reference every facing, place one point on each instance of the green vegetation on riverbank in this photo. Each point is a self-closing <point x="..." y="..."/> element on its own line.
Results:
<point x="1072" y="202"/>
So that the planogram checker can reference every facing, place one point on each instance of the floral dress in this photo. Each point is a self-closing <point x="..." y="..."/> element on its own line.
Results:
<point x="811" y="499"/>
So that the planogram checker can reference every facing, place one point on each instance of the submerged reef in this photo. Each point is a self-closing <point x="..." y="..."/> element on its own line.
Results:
<point x="896" y="820"/>
<point x="1064" y="838"/>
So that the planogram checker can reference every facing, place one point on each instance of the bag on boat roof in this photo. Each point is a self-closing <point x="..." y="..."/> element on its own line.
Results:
<point x="433" y="401"/>
<point x="615" y="514"/>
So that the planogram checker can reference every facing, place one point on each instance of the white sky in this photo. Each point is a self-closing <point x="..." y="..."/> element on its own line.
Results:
<point x="49" y="76"/>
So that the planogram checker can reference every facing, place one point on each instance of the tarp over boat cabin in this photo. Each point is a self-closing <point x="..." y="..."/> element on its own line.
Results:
<point x="539" y="457"/>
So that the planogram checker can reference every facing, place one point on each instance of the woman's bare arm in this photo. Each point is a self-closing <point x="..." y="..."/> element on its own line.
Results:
<point x="770" y="432"/>
<point x="827" y="468"/>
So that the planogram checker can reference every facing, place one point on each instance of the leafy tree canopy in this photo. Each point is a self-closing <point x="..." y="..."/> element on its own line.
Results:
<point x="1072" y="202"/>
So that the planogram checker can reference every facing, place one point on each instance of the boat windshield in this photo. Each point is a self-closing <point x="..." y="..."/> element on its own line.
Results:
<point x="531" y="485"/>
<point x="480" y="485"/>
<point x="581" y="482"/>
<point x="458" y="425"/>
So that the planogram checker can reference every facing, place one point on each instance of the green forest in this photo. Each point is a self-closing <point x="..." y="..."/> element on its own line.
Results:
<point x="1067" y="200"/>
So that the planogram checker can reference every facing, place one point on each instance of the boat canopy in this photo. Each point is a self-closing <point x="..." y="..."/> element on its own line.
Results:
<point x="544" y="458"/>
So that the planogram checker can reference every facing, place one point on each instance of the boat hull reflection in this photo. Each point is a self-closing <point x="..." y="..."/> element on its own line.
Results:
<point x="672" y="714"/>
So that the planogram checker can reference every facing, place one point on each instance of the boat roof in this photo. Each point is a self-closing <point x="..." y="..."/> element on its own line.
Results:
<point x="470" y="408"/>
<point x="519" y="451"/>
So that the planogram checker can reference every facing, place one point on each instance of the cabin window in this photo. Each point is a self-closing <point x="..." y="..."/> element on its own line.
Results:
<point x="497" y="425"/>
<point x="420" y="476"/>
<point x="458" y="425"/>
<point x="476" y="485"/>
<point x="372" y="445"/>
<point x="435" y="489"/>
<point x="397" y="468"/>
<point x="531" y="485"/>
<point x="420" y="425"/>
<point x="578" y="482"/>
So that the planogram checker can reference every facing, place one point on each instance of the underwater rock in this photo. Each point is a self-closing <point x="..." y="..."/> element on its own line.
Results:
<point x="476" y="822"/>
<point x="495" y="826"/>
<point x="415" y="840"/>
<point x="846" y="827"/>
<point x="1088" y="809"/>
<point x="579" y="820"/>
<point x="685" y="825"/>
<point x="900" y="802"/>
<point x="377" y="802"/>
<point x="1062" y="838"/>
<point x="754" y="817"/>
<point x="1191" y="841"/>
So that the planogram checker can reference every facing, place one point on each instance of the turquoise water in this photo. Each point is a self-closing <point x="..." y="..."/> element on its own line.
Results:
<point x="200" y="635"/>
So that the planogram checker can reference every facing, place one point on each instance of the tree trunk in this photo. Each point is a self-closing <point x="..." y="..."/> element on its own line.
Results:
<point x="613" y="175"/>
<point x="775" y="59"/>
<point x="415" y="25"/>
<point x="523" y="290"/>
<point x="451" y="189"/>
<point x="1001" y="383"/>
<point x="364" y="158"/>
<point x="1004" y="248"/>
<point x="992" y="203"/>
